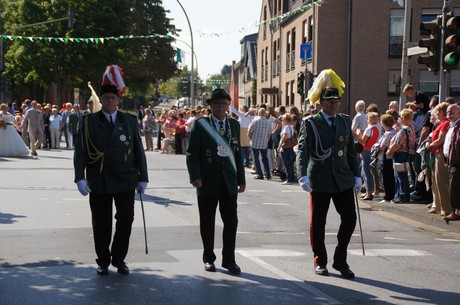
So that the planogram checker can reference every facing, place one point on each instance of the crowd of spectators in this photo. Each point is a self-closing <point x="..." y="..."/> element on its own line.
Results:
<point x="56" y="124"/>
<point x="407" y="153"/>
<point x="262" y="128"/>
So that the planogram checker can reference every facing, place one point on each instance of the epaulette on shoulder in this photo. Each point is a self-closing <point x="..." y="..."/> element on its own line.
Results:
<point x="344" y="115"/>
<point x="232" y="119"/>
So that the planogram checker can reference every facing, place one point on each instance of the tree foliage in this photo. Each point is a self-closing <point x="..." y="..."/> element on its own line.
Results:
<point x="144" y="61"/>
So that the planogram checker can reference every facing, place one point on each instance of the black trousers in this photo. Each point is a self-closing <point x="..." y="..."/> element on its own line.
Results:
<point x="344" y="203"/>
<point x="101" y="212"/>
<point x="454" y="178"/>
<point x="388" y="179"/>
<point x="228" y="211"/>
<point x="178" y="143"/>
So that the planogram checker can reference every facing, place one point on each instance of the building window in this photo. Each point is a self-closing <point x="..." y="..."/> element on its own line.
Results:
<point x="396" y="32"/>
<point x="262" y="64"/>
<point x="455" y="83"/>
<point x="288" y="51"/>
<point x="288" y="91"/>
<point x="292" y="92"/>
<point x="428" y="82"/>
<point x="394" y="82"/>
<point x="265" y="24"/>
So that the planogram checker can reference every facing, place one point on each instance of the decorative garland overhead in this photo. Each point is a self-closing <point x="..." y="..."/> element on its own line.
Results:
<point x="243" y="29"/>
<point x="95" y="40"/>
<point x="98" y="40"/>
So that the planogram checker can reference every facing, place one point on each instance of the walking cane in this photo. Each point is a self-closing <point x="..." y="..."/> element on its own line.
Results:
<point x="359" y="220"/>
<point x="143" y="218"/>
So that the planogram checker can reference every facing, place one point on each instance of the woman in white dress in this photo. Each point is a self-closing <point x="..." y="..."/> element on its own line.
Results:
<point x="11" y="144"/>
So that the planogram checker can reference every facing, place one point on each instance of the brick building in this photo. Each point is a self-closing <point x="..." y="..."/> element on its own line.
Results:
<point x="360" y="40"/>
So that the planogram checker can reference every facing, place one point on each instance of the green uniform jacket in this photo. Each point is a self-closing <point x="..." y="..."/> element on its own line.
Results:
<point x="122" y="164"/>
<point x="73" y="123"/>
<point x="336" y="173"/>
<point x="204" y="163"/>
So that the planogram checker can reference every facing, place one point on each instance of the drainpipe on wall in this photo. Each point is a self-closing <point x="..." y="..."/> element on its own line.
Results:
<point x="350" y="15"/>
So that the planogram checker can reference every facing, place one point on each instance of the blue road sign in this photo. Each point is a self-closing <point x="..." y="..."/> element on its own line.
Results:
<point x="305" y="51"/>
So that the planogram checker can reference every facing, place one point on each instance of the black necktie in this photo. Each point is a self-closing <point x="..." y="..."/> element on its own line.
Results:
<point x="111" y="121"/>
<point x="221" y="128"/>
<point x="332" y="119"/>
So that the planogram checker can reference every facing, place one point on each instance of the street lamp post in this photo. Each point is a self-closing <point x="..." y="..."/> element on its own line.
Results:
<point x="191" y="39"/>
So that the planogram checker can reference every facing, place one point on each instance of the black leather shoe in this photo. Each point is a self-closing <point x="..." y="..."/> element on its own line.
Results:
<point x="258" y="178"/>
<point x="102" y="270"/>
<point x="121" y="267"/>
<point x="344" y="270"/>
<point x="321" y="270"/>
<point x="209" y="267"/>
<point x="232" y="268"/>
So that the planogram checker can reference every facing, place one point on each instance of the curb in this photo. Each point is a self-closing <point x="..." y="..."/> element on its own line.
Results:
<point x="414" y="211"/>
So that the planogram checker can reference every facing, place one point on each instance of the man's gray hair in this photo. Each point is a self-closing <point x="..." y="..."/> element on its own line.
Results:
<point x="360" y="106"/>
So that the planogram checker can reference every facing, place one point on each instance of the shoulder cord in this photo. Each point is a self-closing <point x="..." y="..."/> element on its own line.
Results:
<point x="320" y="153"/>
<point x="96" y="155"/>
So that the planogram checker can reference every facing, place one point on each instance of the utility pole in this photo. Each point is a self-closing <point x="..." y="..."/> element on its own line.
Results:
<point x="405" y="59"/>
<point x="442" y="73"/>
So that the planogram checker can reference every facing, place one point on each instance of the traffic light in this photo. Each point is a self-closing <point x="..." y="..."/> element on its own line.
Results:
<point x="300" y="81"/>
<point x="451" y="50"/>
<point x="431" y="60"/>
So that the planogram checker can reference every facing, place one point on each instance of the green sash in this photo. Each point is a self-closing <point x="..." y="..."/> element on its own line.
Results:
<point x="219" y="140"/>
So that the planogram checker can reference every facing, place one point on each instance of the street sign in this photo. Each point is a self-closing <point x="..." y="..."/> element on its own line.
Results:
<point x="305" y="51"/>
<point x="416" y="51"/>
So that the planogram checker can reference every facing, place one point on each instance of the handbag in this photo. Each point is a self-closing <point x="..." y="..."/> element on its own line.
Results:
<point x="290" y="143"/>
<point x="359" y="147"/>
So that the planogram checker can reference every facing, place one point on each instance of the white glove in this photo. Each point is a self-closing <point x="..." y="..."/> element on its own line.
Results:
<point x="358" y="184"/>
<point x="141" y="186"/>
<point x="304" y="182"/>
<point x="83" y="187"/>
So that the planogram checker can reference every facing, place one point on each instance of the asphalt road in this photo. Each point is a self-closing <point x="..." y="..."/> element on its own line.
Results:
<point x="47" y="254"/>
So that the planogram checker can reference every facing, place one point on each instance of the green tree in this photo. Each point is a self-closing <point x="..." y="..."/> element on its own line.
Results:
<point x="39" y="64"/>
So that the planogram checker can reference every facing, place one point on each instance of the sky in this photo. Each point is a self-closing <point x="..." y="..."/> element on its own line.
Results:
<point x="230" y="19"/>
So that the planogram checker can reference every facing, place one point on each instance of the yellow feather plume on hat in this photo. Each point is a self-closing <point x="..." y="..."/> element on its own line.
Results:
<point x="326" y="79"/>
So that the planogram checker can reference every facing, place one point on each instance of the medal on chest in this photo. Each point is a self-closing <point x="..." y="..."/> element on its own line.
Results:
<point x="223" y="150"/>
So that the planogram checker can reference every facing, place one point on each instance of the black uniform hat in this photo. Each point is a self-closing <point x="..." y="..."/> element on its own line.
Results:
<point x="218" y="94"/>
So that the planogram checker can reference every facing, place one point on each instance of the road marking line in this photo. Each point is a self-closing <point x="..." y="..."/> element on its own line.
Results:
<point x="390" y="252"/>
<point x="243" y="202"/>
<point x="393" y="238"/>
<point x="316" y="292"/>
<point x="275" y="203"/>
<point x="257" y="191"/>
<point x="445" y="239"/>
<point x="270" y="252"/>
<point x="74" y="199"/>
<point x="287" y="191"/>
<point x="334" y="234"/>
<point x="274" y="233"/>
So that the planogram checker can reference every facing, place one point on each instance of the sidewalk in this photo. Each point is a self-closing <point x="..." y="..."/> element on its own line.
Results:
<point x="413" y="211"/>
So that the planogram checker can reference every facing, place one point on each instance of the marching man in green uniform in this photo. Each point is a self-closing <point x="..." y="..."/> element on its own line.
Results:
<point x="110" y="165"/>
<point x="215" y="167"/>
<point x="328" y="167"/>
